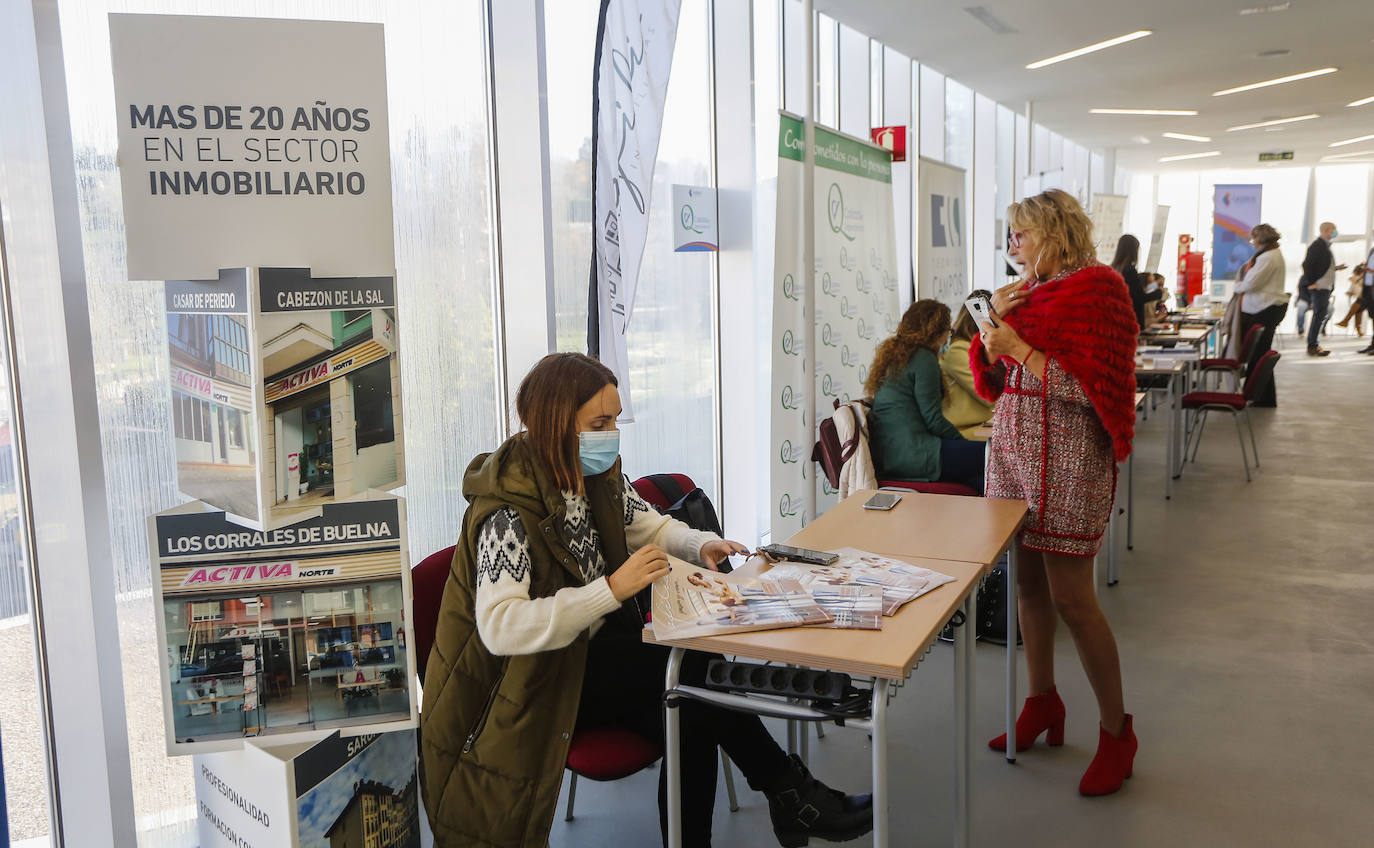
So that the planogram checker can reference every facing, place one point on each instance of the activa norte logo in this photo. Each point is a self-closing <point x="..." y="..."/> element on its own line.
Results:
<point x="848" y="359"/>
<point x="864" y="286"/>
<point x="847" y="309"/>
<point x="790" y="289"/>
<point x="789" y="400"/>
<point x="828" y="387"/>
<point x="829" y="286"/>
<point x="788" y="454"/>
<point x="836" y="212"/>
<point x="688" y="217"/>
<point x="845" y="262"/>
<point x="829" y="337"/>
<point x="865" y="329"/>
<point x="791" y="345"/>
<point x="787" y="507"/>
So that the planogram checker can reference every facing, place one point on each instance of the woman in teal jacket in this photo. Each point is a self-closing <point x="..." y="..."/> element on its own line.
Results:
<point x="909" y="435"/>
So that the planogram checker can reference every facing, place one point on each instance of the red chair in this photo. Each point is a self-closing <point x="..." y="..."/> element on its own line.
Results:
<point x="831" y="456"/>
<point x="1236" y="403"/>
<point x="1234" y="367"/>
<point x="427" y="581"/>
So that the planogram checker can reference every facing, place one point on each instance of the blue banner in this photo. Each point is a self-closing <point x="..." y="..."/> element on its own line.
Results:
<point x="1235" y="211"/>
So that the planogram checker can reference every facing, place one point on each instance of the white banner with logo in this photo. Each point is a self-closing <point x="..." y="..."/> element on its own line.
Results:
<point x="941" y="237"/>
<point x="634" y="55"/>
<point x="852" y="294"/>
<point x="790" y="422"/>
<point x="856" y="298"/>
<point x="1108" y="215"/>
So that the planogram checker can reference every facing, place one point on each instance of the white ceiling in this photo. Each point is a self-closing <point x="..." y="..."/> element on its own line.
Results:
<point x="1198" y="46"/>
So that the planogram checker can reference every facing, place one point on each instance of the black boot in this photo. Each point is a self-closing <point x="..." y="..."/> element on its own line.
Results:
<point x="802" y="807"/>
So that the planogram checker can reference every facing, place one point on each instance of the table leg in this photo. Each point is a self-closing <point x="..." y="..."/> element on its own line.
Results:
<point x="1130" y="500"/>
<point x="672" y="732"/>
<point x="1170" y="441"/>
<point x="880" y="787"/>
<point x="1177" y="422"/>
<point x="963" y="722"/>
<point x="1011" y="652"/>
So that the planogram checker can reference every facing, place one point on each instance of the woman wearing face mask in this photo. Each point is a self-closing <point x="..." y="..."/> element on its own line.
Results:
<point x="1060" y="362"/>
<point x="539" y="634"/>
<point x="910" y="437"/>
<point x="1263" y="299"/>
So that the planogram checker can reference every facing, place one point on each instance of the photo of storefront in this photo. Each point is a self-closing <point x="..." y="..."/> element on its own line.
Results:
<point x="210" y="372"/>
<point x="332" y="391"/>
<point x="264" y="635"/>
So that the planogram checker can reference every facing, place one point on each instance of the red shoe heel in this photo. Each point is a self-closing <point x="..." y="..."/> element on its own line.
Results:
<point x="1115" y="761"/>
<point x="1041" y="713"/>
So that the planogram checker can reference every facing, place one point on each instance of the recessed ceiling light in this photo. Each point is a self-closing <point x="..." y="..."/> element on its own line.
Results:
<point x="1361" y="101"/>
<point x="1350" y="141"/>
<point x="1143" y="111"/>
<point x="1273" y="54"/>
<point x="1140" y="139"/>
<point x="1190" y="156"/>
<point x="1260" y="10"/>
<point x="1274" y="122"/>
<point x="1186" y="137"/>
<point x="1276" y="81"/>
<point x="1338" y="156"/>
<point x="1091" y="48"/>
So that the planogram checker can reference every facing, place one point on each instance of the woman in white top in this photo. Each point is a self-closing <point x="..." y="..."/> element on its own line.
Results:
<point x="1263" y="298"/>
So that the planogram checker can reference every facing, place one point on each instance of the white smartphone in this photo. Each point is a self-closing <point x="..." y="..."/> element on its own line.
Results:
<point x="980" y="307"/>
<point x="882" y="501"/>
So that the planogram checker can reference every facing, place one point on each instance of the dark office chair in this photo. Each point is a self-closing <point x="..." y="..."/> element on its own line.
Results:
<point x="1236" y="403"/>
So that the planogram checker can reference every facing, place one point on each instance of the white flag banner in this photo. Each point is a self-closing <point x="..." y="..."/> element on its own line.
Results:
<point x="1157" y="239"/>
<point x="941" y="234"/>
<point x="634" y="55"/>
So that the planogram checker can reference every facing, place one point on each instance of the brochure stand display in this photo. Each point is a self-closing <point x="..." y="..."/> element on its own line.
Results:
<point x="339" y="791"/>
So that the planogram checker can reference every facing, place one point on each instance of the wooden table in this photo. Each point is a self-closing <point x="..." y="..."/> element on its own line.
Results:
<point x="959" y="536"/>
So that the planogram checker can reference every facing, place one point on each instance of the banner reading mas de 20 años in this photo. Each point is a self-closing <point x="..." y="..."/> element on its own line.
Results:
<point x="248" y="142"/>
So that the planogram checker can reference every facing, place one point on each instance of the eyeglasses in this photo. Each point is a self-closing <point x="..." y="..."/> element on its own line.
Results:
<point x="1015" y="239"/>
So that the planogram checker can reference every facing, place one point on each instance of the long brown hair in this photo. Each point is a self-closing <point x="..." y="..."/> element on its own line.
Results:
<point x="547" y="403"/>
<point x="925" y="325"/>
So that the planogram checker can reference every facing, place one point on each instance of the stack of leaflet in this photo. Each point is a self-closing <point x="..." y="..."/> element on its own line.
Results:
<point x="1181" y="353"/>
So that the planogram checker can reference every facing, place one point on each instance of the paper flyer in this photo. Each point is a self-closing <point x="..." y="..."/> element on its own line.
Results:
<point x="901" y="582"/>
<point x="695" y="601"/>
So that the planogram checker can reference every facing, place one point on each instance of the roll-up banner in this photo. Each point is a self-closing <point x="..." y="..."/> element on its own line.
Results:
<point x="941" y="252"/>
<point x="1161" y="224"/>
<point x="851" y="292"/>
<point x="1235" y="212"/>
<point x="1108" y="215"/>
<point x="634" y="54"/>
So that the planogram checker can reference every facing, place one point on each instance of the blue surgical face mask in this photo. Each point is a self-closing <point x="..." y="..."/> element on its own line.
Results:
<point x="944" y="348"/>
<point x="598" y="449"/>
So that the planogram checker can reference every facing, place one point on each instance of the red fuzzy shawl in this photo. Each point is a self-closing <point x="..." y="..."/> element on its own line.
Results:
<point x="1087" y="324"/>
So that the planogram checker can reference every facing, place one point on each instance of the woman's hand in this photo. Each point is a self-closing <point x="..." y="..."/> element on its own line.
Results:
<point x="1008" y="297"/>
<point x="644" y="566"/>
<point x="1002" y="340"/>
<point x="718" y="549"/>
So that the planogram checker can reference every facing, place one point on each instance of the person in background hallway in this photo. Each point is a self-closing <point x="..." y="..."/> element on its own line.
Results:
<point x="963" y="406"/>
<point x="909" y="435"/>
<point x="1127" y="255"/>
<point x="1060" y="362"/>
<point x="1319" y="278"/>
<point x="1367" y="296"/>
<point x="1356" y="311"/>
<point x="1263" y="299"/>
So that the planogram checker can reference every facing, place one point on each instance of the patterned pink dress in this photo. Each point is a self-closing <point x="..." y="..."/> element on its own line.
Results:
<point x="1050" y="449"/>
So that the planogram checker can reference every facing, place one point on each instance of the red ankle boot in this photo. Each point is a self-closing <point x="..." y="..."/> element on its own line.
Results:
<point x="1113" y="764"/>
<point x="1041" y="713"/>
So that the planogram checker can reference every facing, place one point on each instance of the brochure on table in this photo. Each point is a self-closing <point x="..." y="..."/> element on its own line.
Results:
<point x="280" y="635"/>
<point x="285" y="390"/>
<point x="695" y="601"/>
<point x="357" y="790"/>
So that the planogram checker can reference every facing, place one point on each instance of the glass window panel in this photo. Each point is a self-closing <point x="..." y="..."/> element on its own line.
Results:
<point x="856" y="82"/>
<point x="793" y="68"/>
<point x="440" y="202"/>
<point x="875" y="77"/>
<point x="932" y="106"/>
<point x="827" y="71"/>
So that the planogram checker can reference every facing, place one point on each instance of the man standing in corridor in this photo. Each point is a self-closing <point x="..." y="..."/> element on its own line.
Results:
<point x="1319" y="277"/>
